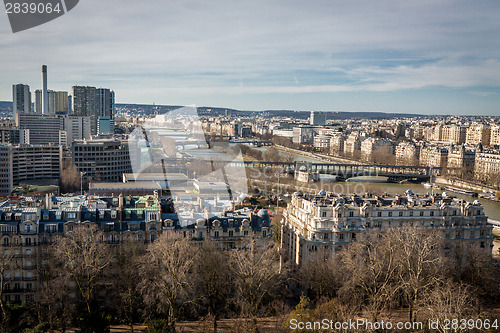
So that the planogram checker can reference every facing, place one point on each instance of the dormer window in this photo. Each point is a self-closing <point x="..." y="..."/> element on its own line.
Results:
<point x="71" y="215"/>
<point x="45" y="216"/>
<point x="113" y="214"/>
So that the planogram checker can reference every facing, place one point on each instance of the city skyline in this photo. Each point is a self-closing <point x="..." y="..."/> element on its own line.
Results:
<point x="425" y="58"/>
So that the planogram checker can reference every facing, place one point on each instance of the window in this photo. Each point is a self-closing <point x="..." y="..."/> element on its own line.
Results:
<point x="264" y="233"/>
<point x="367" y="214"/>
<point x="27" y="241"/>
<point x="478" y="212"/>
<point x="341" y="236"/>
<point x="454" y="212"/>
<point x="390" y="214"/>
<point x="411" y="213"/>
<point x="432" y="213"/>
<point x="421" y="213"/>
<point x="323" y="214"/>
<point x="379" y="214"/>
<point x="400" y="213"/>
<point x="245" y="233"/>
<point x="231" y="233"/>
<point x="353" y="235"/>
<point x="216" y="234"/>
<point x="351" y="214"/>
<point x="71" y="215"/>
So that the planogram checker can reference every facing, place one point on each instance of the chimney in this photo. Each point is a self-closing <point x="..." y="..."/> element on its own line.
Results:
<point x="45" y="97"/>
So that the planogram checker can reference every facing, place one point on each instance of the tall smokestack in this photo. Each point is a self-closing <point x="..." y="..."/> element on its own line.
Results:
<point x="45" y="97"/>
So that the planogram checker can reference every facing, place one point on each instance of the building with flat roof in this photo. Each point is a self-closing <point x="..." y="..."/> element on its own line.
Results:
<point x="21" y="99"/>
<point x="24" y="163"/>
<point x="43" y="129"/>
<point x="103" y="160"/>
<point x="317" y="118"/>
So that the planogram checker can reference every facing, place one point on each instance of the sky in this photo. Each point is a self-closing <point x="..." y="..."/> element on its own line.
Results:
<point x="426" y="56"/>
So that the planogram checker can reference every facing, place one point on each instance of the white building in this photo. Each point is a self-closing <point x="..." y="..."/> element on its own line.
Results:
<point x="326" y="223"/>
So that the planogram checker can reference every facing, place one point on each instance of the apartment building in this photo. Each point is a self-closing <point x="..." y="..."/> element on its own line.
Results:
<point x="407" y="153"/>
<point x="326" y="223"/>
<point x="495" y="135"/>
<point x="487" y="166"/>
<point x="29" y="227"/>
<point x="433" y="156"/>
<point x="461" y="161"/>
<point x="337" y="144"/>
<point x="374" y="147"/>
<point x="478" y="134"/>
<point x="455" y="134"/>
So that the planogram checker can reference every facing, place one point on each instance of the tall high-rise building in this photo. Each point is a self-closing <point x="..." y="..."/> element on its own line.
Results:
<point x="106" y="102"/>
<point x="84" y="101"/>
<point x="21" y="99"/>
<point x="94" y="103"/>
<point x="58" y="102"/>
<point x="318" y="118"/>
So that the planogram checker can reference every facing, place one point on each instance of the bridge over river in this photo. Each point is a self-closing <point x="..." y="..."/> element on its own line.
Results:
<point x="342" y="171"/>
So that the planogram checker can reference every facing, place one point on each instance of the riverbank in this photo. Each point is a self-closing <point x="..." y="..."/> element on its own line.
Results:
<point x="317" y="156"/>
<point x="464" y="184"/>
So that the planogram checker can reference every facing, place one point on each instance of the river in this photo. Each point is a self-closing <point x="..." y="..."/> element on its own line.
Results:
<point x="377" y="185"/>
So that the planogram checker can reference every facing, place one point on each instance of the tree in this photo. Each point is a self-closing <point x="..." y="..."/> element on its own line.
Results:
<point x="370" y="271"/>
<point x="166" y="280"/>
<point x="84" y="257"/>
<point x="126" y="294"/>
<point x="419" y="263"/>
<point x="70" y="179"/>
<point x="7" y="262"/>
<point x="256" y="274"/>
<point x="214" y="281"/>
<point x="52" y="295"/>
<point x="320" y="277"/>
<point x="450" y="300"/>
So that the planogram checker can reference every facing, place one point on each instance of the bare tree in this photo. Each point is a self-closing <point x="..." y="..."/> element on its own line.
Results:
<point x="370" y="270"/>
<point x="256" y="276"/>
<point x="320" y="277"/>
<point x="7" y="265"/>
<point x="70" y="179"/>
<point x="419" y="263"/>
<point x="450" y="300"/>
<point x="52" y="295"/>
<point x="214" y="281"/>
<point x="127" y="298"/>
<point x="167" y="279"/>
<point x="84" y="257"/>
